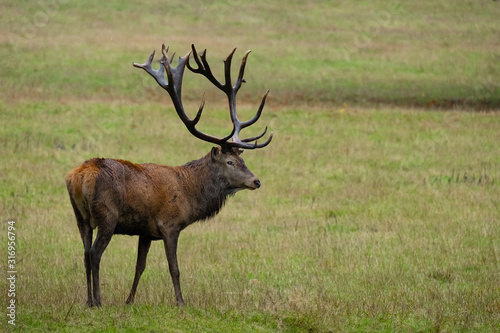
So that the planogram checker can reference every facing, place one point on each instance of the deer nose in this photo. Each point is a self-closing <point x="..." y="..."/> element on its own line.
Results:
<point x="257" y="183"/>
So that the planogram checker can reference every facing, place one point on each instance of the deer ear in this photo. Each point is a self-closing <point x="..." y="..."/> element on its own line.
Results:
<point x="215" y="152"/>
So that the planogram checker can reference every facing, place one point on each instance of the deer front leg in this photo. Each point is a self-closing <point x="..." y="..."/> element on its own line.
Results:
<point x="170" y="241"/>
<point x="142" y="253"/>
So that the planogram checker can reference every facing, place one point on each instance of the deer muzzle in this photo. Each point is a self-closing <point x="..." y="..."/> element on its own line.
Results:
<point x="253" y="183"/>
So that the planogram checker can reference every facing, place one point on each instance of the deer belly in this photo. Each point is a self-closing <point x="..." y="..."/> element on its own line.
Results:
<point x="137" y="225"/>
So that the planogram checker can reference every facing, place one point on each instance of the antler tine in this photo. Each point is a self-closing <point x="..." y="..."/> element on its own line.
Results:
<point x="255" y="138"/>
<point x="203" y="67"/>
<point x="158" y="75"/>
<point x="242" y="143"/>
<point x="197" y="59"/>
<point x="257" y="115"/>
<point x="246" y="145"/>
<point x="240" y="79"/>
<point x="262" y="145"/>
<point x="167" y="67"/>
<point x="227" y="69"/>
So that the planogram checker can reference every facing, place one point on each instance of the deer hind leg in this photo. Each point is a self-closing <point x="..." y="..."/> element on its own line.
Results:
<point x="86" y="235"/>
<point x="106" y="219"/>
<point x="101" y="242"/>
<point x="142" y="253"/>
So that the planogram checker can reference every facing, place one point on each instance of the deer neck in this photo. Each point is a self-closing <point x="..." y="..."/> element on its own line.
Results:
<point x="209" y="190"/>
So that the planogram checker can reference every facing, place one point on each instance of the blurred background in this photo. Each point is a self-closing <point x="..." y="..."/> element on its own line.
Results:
<point x="437" y="54"/>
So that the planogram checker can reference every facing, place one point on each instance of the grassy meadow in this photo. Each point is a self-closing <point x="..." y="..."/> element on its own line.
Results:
<point x="379" y="209"/>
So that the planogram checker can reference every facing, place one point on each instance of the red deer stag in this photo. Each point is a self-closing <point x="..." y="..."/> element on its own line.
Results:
<point x="155" y="201"/>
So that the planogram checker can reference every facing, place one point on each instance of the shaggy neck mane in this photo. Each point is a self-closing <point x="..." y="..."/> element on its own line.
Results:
<point x="211" y="189"/>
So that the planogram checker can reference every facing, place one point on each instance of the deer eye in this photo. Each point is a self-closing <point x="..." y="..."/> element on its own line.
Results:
<point x="229" y="162"/>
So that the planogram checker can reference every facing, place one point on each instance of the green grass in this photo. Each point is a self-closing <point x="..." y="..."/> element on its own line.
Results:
<point x="398" y="52"/>
<point x="377" y="212"/>
<point x="378" y="229"/>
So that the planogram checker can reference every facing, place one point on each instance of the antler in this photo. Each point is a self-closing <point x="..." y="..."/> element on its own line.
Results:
<point x="173" y="85"/>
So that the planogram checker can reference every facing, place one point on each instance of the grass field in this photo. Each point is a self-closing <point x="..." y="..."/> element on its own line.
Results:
<point x="380" y="204"/>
